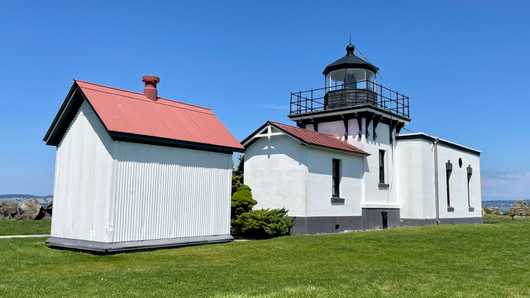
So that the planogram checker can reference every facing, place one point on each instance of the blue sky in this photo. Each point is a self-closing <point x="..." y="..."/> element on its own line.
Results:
<point x="465" y="65"/>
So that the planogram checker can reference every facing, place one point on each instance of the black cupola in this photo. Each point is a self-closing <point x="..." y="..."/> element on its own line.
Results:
<point x="348" y="70"/>
<point x="350" y="61"/>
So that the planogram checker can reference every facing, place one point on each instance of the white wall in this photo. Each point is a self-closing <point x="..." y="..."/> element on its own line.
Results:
<point x="276" y="171"/>
<point x="319" y="183"/>
<point x="417" y="181"/>
<point x="415" y="177"/>
<point x="163" y="193"/>
<point x="333" y="127"/>
<point x="337" y="128"/>
<point x="117" y="191"/>
<point x="458" y="183"/>
<point x="83" y="180"/>
<point x="374" y="196"/>
<point x="282" y="173"/>
<point x="377" y="197"/>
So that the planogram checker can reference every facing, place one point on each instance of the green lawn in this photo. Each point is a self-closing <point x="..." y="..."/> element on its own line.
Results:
<point x="449" y="260"/>
<point x="24" y="227"/>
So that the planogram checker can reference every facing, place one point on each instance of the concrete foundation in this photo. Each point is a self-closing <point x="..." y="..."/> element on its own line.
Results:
<point x="115" y="247"/>
<point x="428" y="221"/>
<point x="372" y="219"/>
<point x="326" y="224"/>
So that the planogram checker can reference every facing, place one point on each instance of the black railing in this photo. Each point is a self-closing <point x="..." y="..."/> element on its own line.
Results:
<point x="344" y="96"/>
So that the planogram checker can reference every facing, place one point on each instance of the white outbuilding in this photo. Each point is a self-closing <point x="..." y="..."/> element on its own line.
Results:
<point x="136" y="171"/>
<point x="346" y="165"/>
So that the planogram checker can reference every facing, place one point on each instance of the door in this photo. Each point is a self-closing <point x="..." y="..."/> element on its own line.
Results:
<point x="384" y="217"/>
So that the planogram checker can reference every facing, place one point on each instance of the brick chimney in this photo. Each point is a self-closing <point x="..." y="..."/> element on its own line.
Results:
<point x="150" y="90"/>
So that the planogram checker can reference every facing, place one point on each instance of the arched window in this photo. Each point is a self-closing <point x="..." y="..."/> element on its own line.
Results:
<point x="448" y="171"/>
<point x="469" y="174"/>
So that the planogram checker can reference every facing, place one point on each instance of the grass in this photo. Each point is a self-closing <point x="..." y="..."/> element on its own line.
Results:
<point x="24" y="227"/>
<point x="448" y="260"/>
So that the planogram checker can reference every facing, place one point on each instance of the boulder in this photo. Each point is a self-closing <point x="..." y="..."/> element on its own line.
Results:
<point x="519" y="208"/>
<point x="30" y="209"/>
<point x="8" y="209"/>
<point x="496" y="211"/>
<point x="49" y="209"/>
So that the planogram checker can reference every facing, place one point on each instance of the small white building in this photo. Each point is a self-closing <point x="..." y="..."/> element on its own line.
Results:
<point x="136" y="171"/>
<point x="345" y="166"/>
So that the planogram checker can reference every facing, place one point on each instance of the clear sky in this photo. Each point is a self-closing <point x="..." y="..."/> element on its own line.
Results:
<point x="465" y="65"/>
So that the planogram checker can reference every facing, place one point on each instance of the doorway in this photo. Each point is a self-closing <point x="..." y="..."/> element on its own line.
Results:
<point x="384" y="217"/>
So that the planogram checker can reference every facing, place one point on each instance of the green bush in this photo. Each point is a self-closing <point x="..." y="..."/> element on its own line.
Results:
<point x="236" y="183"/>
<point x="262" y="224"/>
<point x="242" y="201"/>
<point x="256" y="224"/>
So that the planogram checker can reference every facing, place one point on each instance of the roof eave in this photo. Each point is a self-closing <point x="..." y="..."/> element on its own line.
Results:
<point x="333" y="67"/>
<point x="430" y="138"/>
<point x="151" y="140"/>
<point x="60" y="113"/>
<point x="248" y="140"/>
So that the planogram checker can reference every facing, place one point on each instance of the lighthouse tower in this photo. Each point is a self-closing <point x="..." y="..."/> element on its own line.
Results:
<point x="353" y="107"/>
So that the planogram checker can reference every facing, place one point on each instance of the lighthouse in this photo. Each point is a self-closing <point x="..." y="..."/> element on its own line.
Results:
<point x="344" y="164"/>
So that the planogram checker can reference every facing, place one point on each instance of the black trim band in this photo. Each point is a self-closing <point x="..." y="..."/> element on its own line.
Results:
<point x="134" y="138"/>
<point x="440" y="141"/>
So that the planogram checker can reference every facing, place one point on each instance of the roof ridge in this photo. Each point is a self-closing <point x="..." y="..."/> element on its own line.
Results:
<point x="204" y="110"/>
<point x="139" y="93"/>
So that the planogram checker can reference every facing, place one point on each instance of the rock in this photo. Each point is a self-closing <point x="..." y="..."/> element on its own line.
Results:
<point x="30" y="209"/>
<point x="49" y="208"/>
<point x="519" y="208"/>
<point x="496" y="211"/>
<point x="8" y="209"/>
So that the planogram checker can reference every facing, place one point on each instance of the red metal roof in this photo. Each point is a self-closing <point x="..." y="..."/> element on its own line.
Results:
<point x="317" y="138"/>
<point x="133" y="113"/>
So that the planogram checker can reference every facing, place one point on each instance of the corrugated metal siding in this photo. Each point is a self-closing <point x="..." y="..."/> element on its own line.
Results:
<point x="83" y="180"/>
<point x="163" y="192"/>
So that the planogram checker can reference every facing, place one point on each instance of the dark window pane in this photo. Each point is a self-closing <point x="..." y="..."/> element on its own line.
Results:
<point x="448" y="170"/>
<point x="336" y="177"/>
<point x="382" y="166"/>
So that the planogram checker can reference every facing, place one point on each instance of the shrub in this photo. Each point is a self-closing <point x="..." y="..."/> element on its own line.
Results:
<point x="262" y="224"/>
<point x="241" y="166"/>
<point x="242" y="201"/>
<point x="236" y="182"/>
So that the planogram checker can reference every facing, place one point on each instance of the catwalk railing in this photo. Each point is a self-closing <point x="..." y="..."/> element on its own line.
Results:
<point x="351" y="95"/>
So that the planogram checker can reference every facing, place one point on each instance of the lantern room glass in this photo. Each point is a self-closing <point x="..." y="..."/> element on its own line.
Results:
<point x="350" y="78"/>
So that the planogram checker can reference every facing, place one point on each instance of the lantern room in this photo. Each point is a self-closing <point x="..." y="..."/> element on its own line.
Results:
<point x="350" y="86"/>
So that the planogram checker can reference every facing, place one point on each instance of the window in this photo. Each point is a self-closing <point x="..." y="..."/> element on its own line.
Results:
<point x="448" y="170"/>
<point x="381" y="166"/>
<point x="469" y="174"/>
<point x="336" y="172"/>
